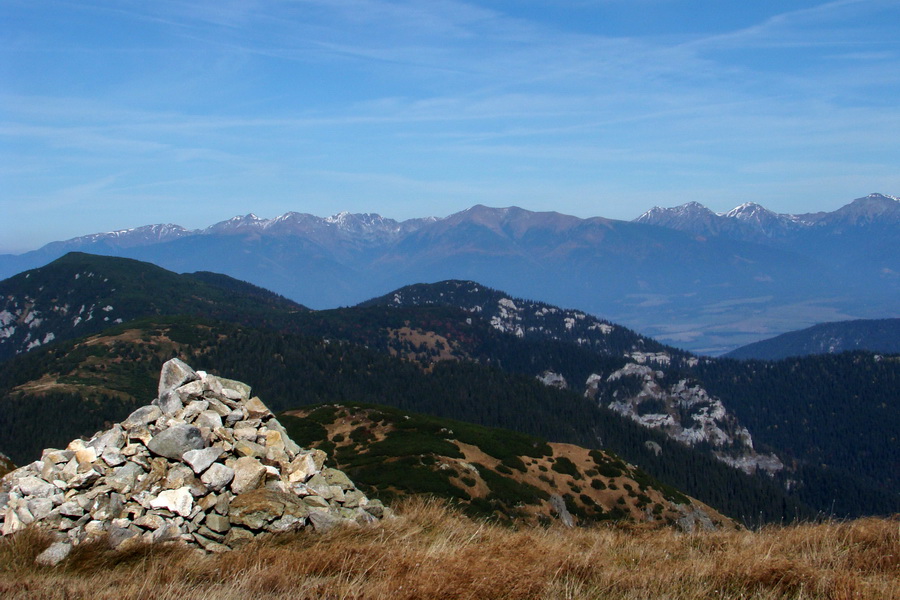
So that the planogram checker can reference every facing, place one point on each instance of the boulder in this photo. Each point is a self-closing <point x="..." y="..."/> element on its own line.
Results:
<point x="249" y="474"/>
<point x="175" y="373"/>
<point x="178" y="501"/>
<point x="256" y="509"/>
<point x="55" y="554"/>
<point x="174" y="441"/>
<point x="217" y="476"/>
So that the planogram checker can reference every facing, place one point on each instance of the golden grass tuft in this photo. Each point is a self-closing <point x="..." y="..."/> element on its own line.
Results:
<point x="433" y="552"/>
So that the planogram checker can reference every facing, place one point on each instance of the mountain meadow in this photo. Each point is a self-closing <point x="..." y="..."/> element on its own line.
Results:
<point x="432" y="552"/>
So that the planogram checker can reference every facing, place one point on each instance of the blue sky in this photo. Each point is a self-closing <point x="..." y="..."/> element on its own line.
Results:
<point x="116" y="114"/>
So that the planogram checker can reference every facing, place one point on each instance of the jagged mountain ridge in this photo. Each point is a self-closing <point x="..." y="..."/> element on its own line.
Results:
<point x="755" y="222"/>
<point x="707" y="293"/>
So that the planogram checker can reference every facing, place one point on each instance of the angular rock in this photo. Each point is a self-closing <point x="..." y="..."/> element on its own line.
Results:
<point x="375" y="508"/>
<point x="83" y="480"/>
<point x="319" y="486"/>
<point x="112" y="438"/>
<point x="117" y="535"/>
<point x="245" y="432"/>
<point x="113" y="457"/>
<point x="40" y="508"/>
<point x="217" y="476"/>
<point x="174" y="470"/>
<point x="55" y="554"/>
<point x="124" y="478"/>
<point x="191" y="409"/>
<point x="234" y="390"/>
<point x="301" y="468"/>
<point x="338" y="478"/>
<point x="169" y="403"/>
<point x="218" y="523"/>
<point x="249" y="474"/>
<point x="210" y="545"/>
<point x="71" y="509"/>
<point x="180" y="476"/>
<point x="209" y="418"/>
<point x="315" y="501"/>
<point x="323" y="520"/>
<point x="261" y="506"/>
<point x="35" y="486"/>
<point x="175" y="373"/>
<point x="289" y="445"/>
<point x="150" y="521"/>
<point x="559" y="505"/>
<point x="238" y="536"/>
<point x="247" y="448"/>
<point x="57" y="456"/>
<point x="200" y="460"/>
<point x="142" y="416"/>
<point x="191" y="391"/>
<point x="174" y="441"/>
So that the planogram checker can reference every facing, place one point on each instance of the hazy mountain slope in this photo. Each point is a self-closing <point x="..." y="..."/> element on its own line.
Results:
<point x="882" y="335"/>
<point x="79" y="294"/>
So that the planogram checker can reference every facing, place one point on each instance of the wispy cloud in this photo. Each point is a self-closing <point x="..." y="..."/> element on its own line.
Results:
<point x="444" y="100"/>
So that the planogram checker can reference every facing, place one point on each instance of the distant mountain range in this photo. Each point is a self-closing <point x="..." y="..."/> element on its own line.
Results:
<point x="685" y="276"/>
<point x="752" y="222"/>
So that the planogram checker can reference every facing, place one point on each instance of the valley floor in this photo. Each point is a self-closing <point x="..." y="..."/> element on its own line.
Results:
<point x="433" y="552"/>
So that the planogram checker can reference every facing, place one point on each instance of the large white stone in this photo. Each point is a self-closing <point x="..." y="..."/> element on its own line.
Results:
<point x="178" y="501"/>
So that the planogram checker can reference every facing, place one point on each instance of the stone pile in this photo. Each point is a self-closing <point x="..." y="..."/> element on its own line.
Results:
<point x="205" y="463"/>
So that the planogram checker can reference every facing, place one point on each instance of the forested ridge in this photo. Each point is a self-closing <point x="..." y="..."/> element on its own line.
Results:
<point x="839" y="413"/>
<point x="454" y="349"/>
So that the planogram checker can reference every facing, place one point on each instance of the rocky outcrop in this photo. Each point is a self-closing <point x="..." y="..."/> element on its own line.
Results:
<point x="205" y="463"/>
<point x="681" y="409"/>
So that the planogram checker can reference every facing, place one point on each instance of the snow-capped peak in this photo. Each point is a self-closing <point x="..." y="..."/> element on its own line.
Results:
<point x="749" y="210"/>
<point x="340" y="218"/>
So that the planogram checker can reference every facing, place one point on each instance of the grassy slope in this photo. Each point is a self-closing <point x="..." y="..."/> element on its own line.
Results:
<point x="433" y="553"/>
<point x="488" y="472"/>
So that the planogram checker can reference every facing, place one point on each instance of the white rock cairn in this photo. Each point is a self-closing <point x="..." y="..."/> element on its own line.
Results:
<point x="205" y="463"/>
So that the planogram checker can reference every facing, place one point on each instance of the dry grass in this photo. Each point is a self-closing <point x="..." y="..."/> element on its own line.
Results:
<point x="433" y="552"/>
